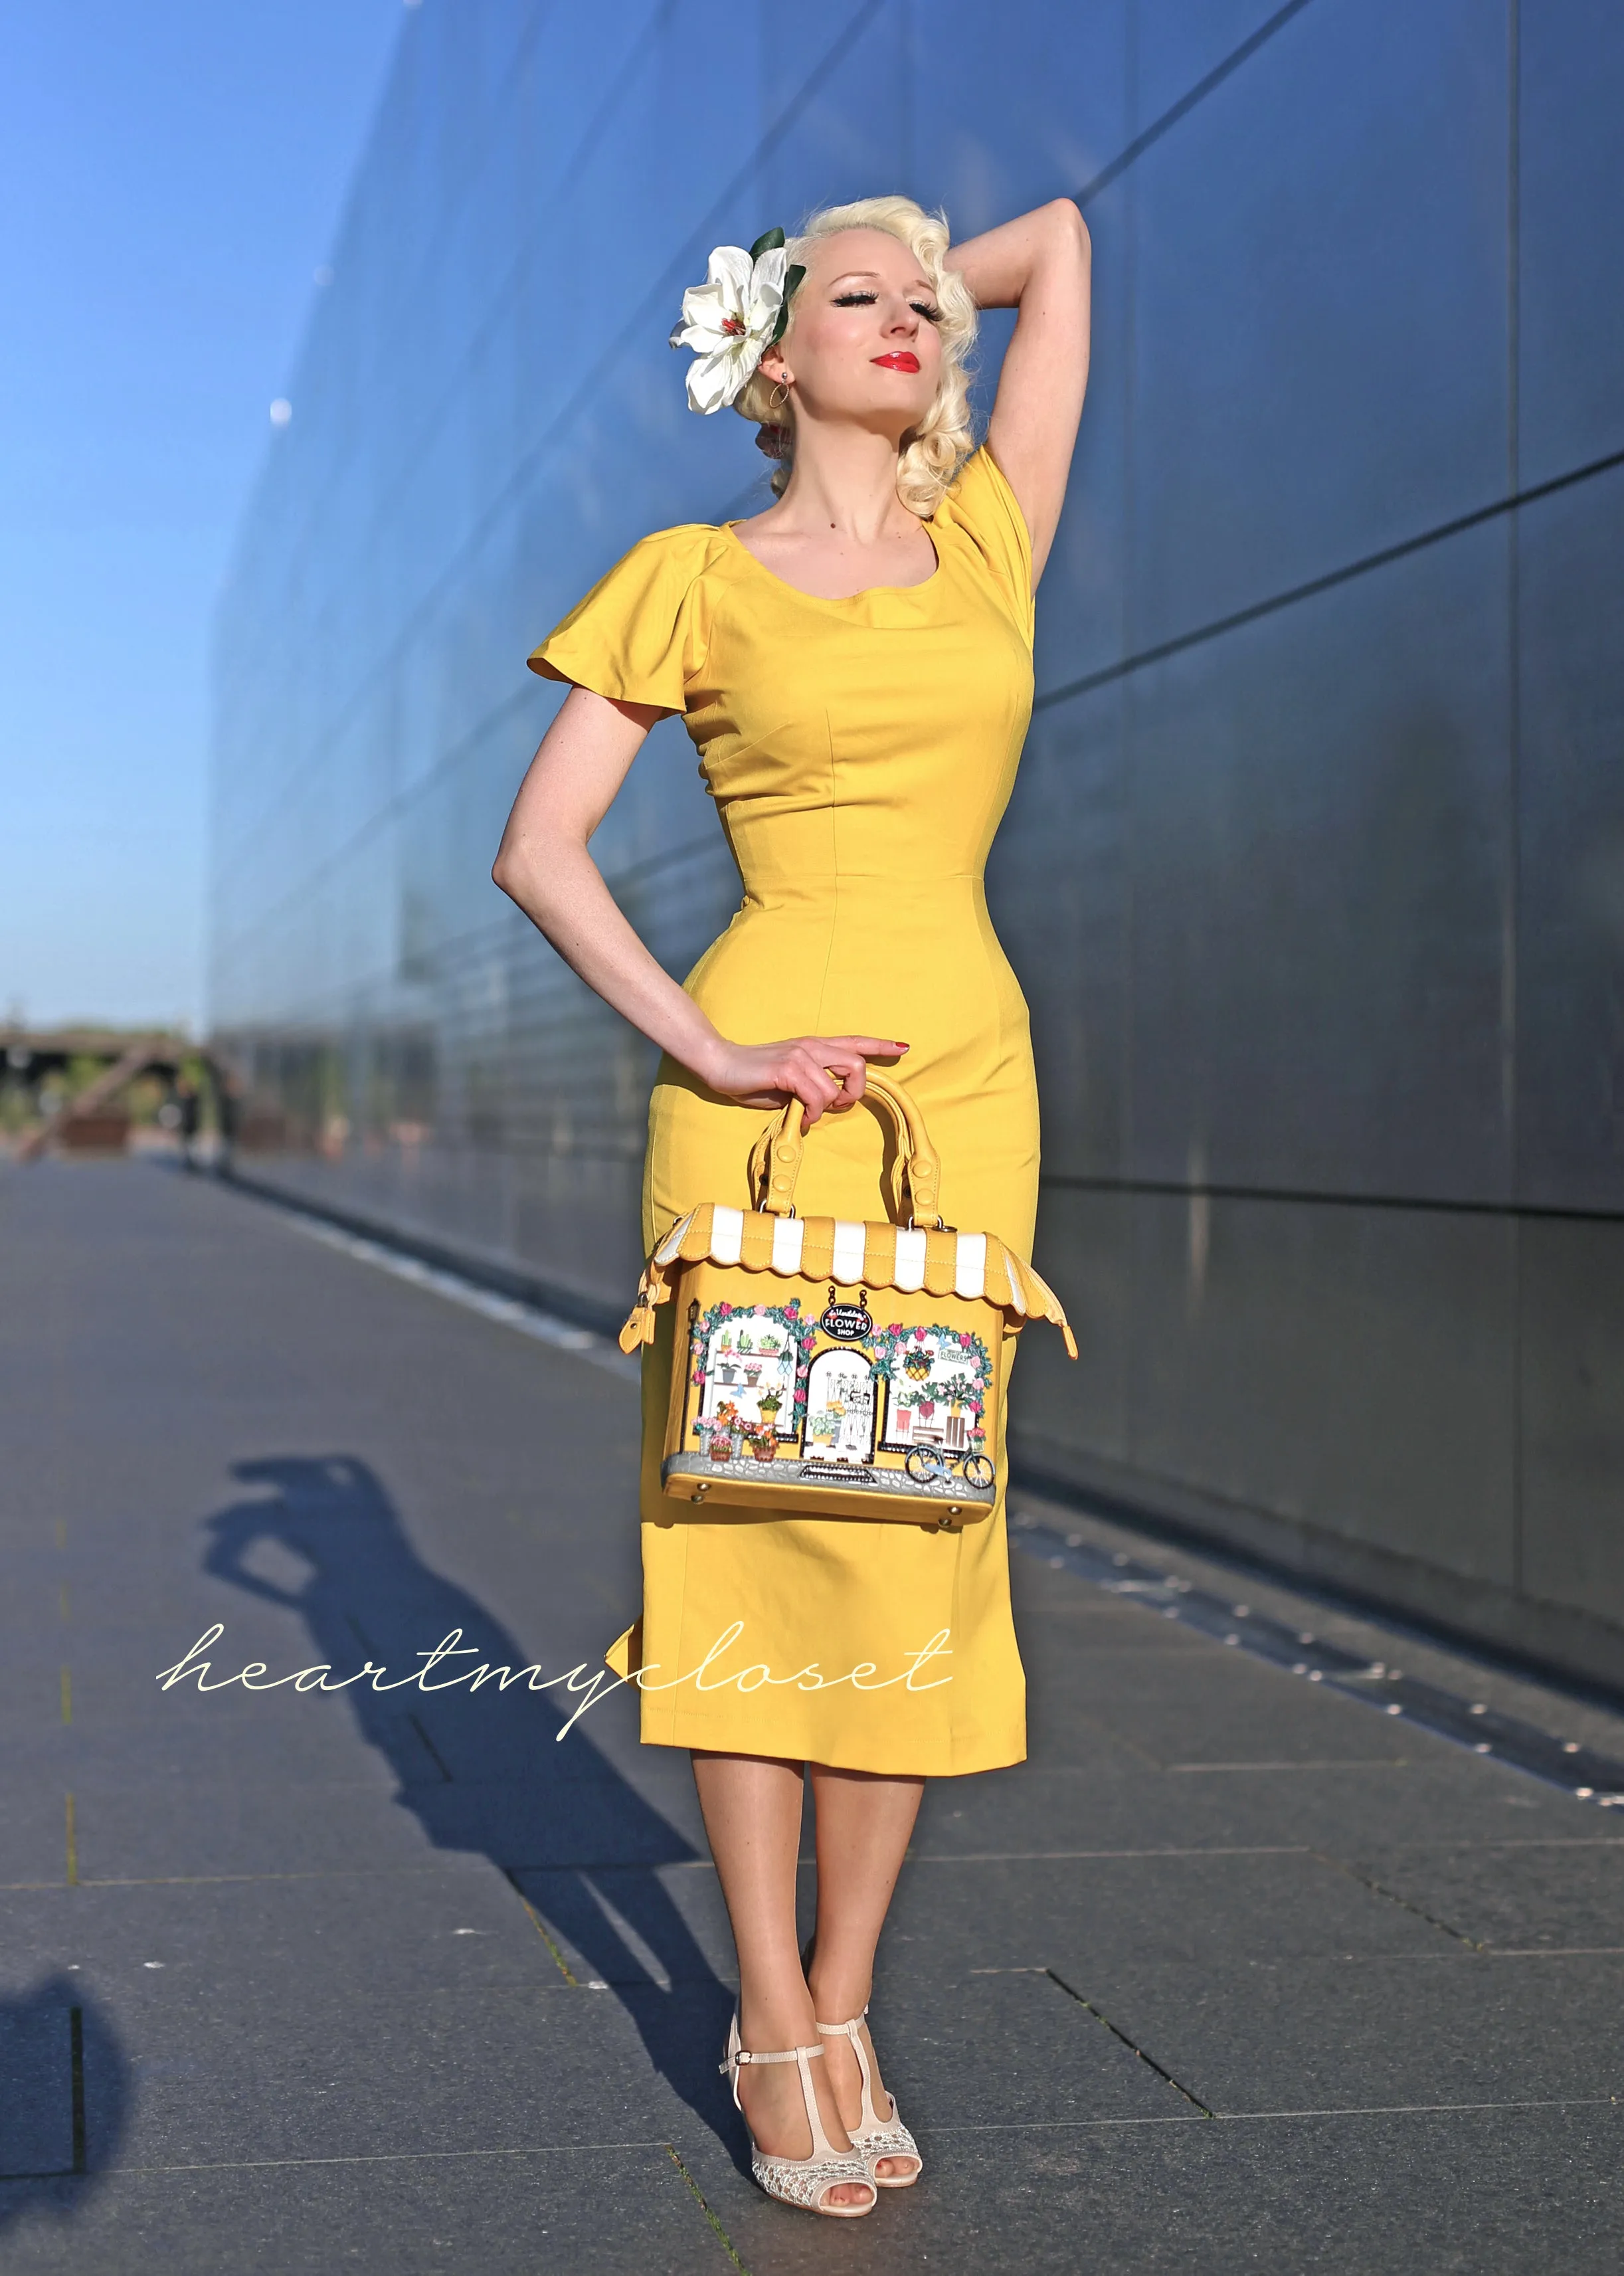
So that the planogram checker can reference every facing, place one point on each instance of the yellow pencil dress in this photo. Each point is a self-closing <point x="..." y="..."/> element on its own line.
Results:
<point x="860" y="753"/>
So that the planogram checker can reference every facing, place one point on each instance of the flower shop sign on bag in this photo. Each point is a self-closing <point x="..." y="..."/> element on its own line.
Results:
<point x="835" y="1369"/>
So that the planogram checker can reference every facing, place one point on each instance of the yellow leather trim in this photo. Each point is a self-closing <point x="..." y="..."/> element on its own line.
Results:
<point x="776" y="1157"/>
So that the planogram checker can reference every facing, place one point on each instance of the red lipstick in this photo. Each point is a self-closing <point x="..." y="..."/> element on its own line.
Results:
<point x="900" y="359"/>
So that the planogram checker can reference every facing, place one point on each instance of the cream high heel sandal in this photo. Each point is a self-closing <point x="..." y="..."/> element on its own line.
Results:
<point x="802" y="2180"/>
<point x="877" y="2137"/>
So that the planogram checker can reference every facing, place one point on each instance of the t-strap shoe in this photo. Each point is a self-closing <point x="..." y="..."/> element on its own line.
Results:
<point x="802" y="2180"/>
<point x="877" y="2137"/>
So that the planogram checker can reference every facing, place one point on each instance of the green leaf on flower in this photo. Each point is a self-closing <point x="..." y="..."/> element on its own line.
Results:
<point x="792" y="276"/>
<point x="768" y="241"/>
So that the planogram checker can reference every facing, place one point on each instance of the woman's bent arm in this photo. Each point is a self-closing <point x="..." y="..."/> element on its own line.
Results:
<point x="544" y="866"/>
<point x="1039" y="264"/>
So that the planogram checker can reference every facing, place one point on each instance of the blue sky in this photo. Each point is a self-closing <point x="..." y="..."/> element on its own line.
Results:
<point x="172" y="175"/>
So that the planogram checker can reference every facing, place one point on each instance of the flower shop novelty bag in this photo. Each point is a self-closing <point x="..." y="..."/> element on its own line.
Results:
<point x="836" y="1369"/>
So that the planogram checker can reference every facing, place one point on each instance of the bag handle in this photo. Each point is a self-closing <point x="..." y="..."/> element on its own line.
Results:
<point x="775" y="1158"/>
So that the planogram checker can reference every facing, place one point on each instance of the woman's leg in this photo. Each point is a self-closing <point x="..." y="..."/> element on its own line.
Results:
<point x="864" y="1824"/>
<point x="752" y="1811"/>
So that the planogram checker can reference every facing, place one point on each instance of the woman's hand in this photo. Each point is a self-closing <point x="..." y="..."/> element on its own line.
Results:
<point x="827" y="1073"/>
<point x="543" y="865"/>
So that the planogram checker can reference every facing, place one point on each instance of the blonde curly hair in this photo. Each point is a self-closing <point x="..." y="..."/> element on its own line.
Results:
<point x="933" y="451"/>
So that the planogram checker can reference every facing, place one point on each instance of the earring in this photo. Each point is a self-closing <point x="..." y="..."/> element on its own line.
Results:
<point x="779" y="397"/>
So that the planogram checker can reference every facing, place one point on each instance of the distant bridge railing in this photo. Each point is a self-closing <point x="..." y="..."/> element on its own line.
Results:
<point x="31" y="1054"/>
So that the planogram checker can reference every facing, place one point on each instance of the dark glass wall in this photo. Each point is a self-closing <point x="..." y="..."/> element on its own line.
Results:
<point x="1315" y="875"/>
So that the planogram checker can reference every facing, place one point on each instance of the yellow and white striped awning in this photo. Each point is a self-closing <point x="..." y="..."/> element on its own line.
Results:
<point x="942" y="1264"/>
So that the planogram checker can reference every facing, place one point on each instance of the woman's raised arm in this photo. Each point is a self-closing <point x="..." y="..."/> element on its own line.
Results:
<point x="543" y="865"/>
<point x="1039" y="265"/>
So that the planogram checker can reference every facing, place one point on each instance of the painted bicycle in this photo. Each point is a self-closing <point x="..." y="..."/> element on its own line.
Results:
<point x="929" y="1466"/>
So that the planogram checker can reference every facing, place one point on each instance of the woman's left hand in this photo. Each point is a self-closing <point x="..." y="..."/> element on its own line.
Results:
<point x="827" y="1073"/>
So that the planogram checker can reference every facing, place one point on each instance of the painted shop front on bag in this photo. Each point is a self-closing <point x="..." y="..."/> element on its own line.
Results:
<point x="836" y="1400"/>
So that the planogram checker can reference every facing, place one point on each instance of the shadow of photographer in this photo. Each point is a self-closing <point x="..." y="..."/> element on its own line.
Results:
<point x="485" y="1771"/>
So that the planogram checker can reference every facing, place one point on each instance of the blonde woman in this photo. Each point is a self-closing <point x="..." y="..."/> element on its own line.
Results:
<point x="854" y="666"/>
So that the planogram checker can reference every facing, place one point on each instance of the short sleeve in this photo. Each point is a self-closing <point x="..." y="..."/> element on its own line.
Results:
<point x="983" y="506"/>
<point x="638" y="636"/>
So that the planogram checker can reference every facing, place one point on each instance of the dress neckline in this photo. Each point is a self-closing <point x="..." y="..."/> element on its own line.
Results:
<point x="838" y="600"/>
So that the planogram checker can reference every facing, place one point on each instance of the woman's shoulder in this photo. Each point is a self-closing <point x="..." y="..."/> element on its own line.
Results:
<point x="638" y="634"/>
<point x="667" y="567"/>
<point x="981" y="502"/>
<point x="980" y="497"/>
<point x="686" y="545"/>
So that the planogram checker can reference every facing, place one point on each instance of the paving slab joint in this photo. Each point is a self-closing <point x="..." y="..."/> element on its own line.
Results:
<point x="429" y="1748"/>
<point x="1391" y="1896"/>
<point x="540" y="1926"/>
<point x="697" y="2194"/>
<point x="1132" y="2045"/>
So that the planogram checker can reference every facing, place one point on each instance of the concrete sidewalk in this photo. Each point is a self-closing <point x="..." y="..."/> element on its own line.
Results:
<point x="1233" y="1974"/>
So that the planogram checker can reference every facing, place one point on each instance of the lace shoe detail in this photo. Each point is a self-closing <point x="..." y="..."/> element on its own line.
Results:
<point x="892" y="2141"/>
<point x="802" y="2180"/>
<point x="876" y="2138"/>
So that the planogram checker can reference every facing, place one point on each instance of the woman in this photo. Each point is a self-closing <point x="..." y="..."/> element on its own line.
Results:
<point x="854" y="666"/>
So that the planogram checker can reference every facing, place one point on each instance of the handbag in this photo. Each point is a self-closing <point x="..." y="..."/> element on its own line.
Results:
<point x="829" y="1368"/>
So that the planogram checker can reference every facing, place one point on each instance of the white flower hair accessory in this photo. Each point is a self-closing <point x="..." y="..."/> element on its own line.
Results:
<point x="734" y="318"/>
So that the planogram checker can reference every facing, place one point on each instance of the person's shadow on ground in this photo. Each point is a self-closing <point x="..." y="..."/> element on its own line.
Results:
<point x="486" y="1772"/>
<point x="64" y="2096"/>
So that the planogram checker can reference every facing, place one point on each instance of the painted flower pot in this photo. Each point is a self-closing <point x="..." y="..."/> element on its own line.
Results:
<point x="721" y="1450"/>
<point x="752" y="1376"/>
<point x="764" y="1448"/>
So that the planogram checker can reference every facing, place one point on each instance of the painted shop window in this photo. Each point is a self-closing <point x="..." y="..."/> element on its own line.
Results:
<point x="937" y="1380"/>
<point x="840" y="1407"/>
<point x="746" y="1362"/>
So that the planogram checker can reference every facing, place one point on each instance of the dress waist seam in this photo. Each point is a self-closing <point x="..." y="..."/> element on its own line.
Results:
<point x="832" y="880"/>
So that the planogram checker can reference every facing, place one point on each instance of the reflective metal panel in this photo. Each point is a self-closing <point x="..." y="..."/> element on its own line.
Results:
<point x="1014" y="108"/>
<point x="1272" y="852"/>
<point x="1178" y="42"/>
<point x="1573" y="1403"/>
<point x="1570" y="920"/>
<point x="1350" y="1367"/>
<point x="1570" y="205"/>
<point x="1083" y="599"/>
<point x="1018" y="105"/>
<point x="1085" y="1249"/>
<point x="1321" y="889"/>
<point x="836" y="113"/>
<point x="1320" y="307"/>
<point x="1058" y="888"/>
